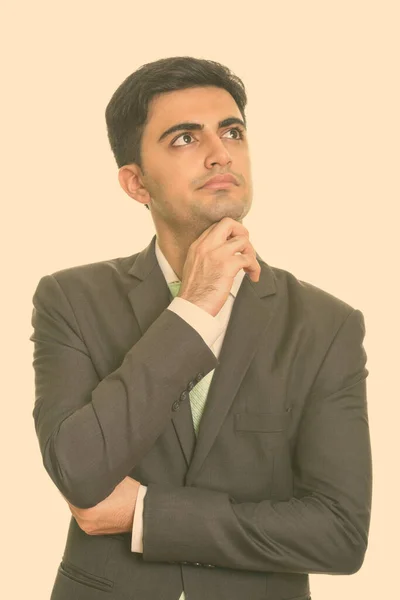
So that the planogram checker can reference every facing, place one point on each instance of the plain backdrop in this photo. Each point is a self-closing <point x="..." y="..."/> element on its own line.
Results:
<point x="322" y="80"/>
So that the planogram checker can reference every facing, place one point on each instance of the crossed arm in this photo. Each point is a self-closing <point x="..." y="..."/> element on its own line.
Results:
<point x="322" y="529"/>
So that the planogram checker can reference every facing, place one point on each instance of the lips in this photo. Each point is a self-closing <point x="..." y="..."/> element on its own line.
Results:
<point x="220" y="179"/>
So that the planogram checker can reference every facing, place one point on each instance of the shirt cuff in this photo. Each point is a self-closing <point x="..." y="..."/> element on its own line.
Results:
<point x="209" y="327"/>
<point x="137" y="528"/>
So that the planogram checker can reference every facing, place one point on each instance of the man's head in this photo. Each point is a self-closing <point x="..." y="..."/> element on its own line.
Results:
<point x="166" y="168"/>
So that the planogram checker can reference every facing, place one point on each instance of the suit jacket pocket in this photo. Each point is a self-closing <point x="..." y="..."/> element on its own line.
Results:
<point x="262" y="422"/>
<point x="85" y="578"/>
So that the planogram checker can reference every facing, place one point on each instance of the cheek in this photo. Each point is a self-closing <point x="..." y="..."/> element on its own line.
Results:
<point x="168" y="174"/>
<point x="175" y="181"/>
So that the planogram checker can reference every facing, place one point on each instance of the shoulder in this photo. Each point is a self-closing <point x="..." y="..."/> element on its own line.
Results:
<point x="306" y="292"/>
<point x="97" y="276"/>
<point x="308" y="305"/>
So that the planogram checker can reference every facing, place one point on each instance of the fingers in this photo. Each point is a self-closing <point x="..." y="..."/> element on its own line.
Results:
<point x="229" y="236"/>
<point x="252" y="266"/>
<point x="218" y="233"/>
<point x="243" y="250"/>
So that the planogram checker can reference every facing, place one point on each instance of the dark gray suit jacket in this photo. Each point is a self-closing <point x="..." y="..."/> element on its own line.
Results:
<point x="279" y="482"/>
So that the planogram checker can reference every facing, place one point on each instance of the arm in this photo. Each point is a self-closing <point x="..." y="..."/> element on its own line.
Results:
<point x="324" y="527"/>
<point x="92" y="433"/>
<point x="210" y="329"/>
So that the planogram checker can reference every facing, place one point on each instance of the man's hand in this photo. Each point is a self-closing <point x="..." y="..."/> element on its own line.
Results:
<point x="114" y="514"/>
<point x="213" y="261"/>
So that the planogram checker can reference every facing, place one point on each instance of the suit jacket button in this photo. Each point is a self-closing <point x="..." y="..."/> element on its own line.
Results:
<point x="176" y="405"/>
<point x="199" y="376"/>
<point x="184" y="395"/>
<point x="190" y="386"/>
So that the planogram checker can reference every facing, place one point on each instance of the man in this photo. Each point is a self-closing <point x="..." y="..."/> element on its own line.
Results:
<point x="203" y="413"/>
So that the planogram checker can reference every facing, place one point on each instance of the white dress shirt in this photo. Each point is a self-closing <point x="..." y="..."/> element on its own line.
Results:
<point x="212" y="330"/>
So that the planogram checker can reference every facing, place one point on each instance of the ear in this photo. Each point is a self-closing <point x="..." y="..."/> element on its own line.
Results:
<point x="129" y="177"/>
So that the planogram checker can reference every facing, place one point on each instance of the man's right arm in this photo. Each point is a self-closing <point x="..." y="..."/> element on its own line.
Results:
<point x="210" y="329"/>
<point x="92" y="433"/>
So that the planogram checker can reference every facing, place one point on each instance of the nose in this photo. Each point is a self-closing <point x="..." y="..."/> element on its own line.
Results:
<point x="217" y="152"/>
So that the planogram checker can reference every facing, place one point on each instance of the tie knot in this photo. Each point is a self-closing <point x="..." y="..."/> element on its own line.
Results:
<point x="175" y="286"/>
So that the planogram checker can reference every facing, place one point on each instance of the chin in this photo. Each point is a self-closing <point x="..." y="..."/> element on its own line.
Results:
<point x="205" y="214"/>
<point x="236" y="211"/>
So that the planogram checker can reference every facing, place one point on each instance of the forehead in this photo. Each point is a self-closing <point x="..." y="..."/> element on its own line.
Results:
<point x="206" y="105"/>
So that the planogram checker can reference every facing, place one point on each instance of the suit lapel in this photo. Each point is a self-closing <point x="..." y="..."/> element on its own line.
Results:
<point x="252" y="311"/>
<point x="251" y="314"/>
<point x="149" y="297"/>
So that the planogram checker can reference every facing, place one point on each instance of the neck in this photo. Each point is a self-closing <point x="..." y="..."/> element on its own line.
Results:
<point x="175" y="250"/>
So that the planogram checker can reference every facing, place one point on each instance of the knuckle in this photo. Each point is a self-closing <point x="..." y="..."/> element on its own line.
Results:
<point x="194" y="246"/>
<point x="89" y="527"/>
<point x="82" y="525"/>
<point x="239" y="239"/>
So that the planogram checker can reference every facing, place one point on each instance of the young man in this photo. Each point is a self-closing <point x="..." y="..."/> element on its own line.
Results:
<point x="203" y="413"/>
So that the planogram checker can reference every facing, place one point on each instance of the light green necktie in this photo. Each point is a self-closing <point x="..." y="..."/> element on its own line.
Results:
<point x="198" y="395"/>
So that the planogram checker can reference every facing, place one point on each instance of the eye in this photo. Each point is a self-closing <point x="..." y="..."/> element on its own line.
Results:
<point x="239" y="130"/>
<point x="181" y="136"/>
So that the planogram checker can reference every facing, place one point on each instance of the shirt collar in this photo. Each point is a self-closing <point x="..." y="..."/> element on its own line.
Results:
<point x="171" y="276"/>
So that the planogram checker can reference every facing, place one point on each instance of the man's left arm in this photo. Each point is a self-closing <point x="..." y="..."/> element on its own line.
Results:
<point x="324" y="527"/>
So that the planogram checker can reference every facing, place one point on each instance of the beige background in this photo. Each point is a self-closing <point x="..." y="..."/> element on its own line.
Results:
<point x="323" y="114"/>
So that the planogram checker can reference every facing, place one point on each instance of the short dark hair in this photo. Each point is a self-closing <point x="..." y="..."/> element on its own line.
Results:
<point x="127" y="111"/>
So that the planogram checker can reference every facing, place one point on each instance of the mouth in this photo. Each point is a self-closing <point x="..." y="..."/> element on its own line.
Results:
<point x="218" y="185"/>
<point x="220" y="182"/>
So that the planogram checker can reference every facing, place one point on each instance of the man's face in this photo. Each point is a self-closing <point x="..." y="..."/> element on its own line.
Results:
<point x="176" y="164"/>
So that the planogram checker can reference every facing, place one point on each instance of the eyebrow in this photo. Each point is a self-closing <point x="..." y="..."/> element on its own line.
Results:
<point x="196" y="126"/>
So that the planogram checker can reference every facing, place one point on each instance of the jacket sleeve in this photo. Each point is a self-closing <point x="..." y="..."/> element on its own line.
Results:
<point x="210" y="329"/>
<point x="324" y="527"/>
<point x="92" y="433"/>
